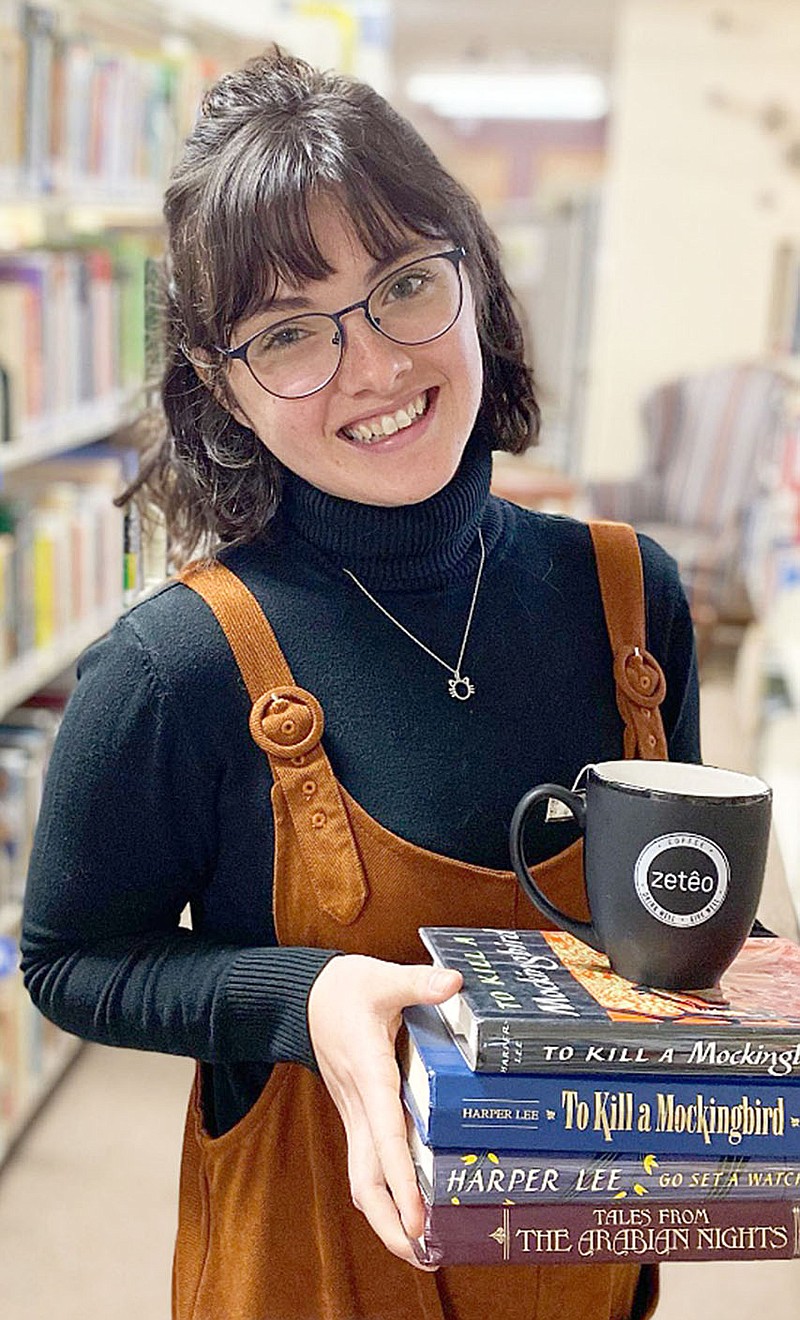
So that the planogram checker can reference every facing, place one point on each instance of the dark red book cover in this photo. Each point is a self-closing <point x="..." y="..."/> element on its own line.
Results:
<point x="584" y="1233"/>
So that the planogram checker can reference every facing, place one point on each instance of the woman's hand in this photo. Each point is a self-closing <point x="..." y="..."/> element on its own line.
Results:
<point x="354" y="1012"/>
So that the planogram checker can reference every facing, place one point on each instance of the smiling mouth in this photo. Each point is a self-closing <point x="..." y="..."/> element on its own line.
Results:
<point x="379" y="427"/>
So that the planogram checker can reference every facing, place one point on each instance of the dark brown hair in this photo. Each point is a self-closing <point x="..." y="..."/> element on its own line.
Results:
<point x="272" y="137"/>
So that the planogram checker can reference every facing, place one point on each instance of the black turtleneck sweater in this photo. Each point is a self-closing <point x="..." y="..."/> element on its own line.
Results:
<point x="156" y="796"/>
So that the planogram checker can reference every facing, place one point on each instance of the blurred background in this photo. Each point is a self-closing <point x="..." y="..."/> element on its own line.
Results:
<point x="640" y="163"/>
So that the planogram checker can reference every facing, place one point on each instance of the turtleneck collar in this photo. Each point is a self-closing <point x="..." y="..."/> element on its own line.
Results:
<point x="407" y="547"/>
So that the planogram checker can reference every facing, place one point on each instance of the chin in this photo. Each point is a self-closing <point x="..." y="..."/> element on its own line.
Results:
<point x="416" y="490"/>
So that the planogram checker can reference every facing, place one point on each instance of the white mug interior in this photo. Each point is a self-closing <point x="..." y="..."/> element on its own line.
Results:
<point x="680" y="778"/>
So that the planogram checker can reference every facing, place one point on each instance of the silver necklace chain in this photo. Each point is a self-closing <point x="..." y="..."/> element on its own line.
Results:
<point x="459" y="686"/>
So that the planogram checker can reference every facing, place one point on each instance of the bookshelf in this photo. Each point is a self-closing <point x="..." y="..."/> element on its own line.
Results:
<point x="94" y="101"/>
<point x="28" y="674"/>
<point x="59" y="1059"/>
<point x="78" y="426"/>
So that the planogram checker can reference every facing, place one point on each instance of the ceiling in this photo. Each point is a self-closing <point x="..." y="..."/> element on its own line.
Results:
<point x="439" y="34"/>
<point x="502" y="31"/>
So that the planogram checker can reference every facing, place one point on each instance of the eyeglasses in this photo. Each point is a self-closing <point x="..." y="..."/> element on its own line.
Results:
<point x="415" y="304"/>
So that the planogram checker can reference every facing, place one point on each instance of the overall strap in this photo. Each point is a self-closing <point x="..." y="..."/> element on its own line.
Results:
<point x="639" y="678"/>
<point x="287" y="723"/>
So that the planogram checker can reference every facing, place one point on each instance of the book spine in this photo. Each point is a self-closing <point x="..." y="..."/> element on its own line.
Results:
<point x="634" y="1114"/>
<point x="583" y="1234"/>
<point x="505" y="1052"/>
<point x="481" y="1177"/>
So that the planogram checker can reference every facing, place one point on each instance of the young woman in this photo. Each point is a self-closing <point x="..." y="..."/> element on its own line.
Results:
<point x="342" y="357"/>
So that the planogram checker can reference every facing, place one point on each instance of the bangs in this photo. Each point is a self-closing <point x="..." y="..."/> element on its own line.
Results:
<point x="253" y="227"/>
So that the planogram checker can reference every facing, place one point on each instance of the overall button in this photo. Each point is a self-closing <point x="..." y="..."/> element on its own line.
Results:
<point x="309" y="788"/>
<point x="640" y="676"/>
<point x="319" y="819"/>
<point x="287" y="722"/>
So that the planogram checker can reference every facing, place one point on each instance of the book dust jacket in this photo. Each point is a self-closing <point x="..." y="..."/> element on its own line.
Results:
<point x="538" y="1001"/>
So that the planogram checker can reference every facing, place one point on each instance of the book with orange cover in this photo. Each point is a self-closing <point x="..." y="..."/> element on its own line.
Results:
<point x="542" y="1001"/>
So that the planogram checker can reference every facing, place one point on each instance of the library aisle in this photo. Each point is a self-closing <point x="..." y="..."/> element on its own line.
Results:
<point x="87" y="1206"/>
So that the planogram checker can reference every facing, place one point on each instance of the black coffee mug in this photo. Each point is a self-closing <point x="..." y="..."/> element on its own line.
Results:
<point x="674" y="859"/>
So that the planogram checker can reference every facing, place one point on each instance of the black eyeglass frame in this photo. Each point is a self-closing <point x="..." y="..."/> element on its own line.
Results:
<point x="454" y="255"/>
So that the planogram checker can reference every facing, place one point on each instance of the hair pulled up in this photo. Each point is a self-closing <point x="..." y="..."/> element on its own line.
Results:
<point x="272" y="137"/>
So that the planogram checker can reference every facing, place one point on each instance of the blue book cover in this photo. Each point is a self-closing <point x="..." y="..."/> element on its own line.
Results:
<point x="590" y="1112"/>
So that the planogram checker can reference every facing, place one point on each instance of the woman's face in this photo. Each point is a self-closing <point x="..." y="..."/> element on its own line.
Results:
<point x="315" y="436"/>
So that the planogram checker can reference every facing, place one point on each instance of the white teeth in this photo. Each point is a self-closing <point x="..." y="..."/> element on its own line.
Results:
<point x="388" y="423"/>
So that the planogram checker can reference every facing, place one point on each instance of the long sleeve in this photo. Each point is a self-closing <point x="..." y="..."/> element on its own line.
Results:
<point x="157" y="797"/>
<point x="127" y="837"/>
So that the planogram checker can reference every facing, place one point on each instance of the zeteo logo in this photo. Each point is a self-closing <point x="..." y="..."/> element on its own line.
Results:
<point x="682" y="879"/>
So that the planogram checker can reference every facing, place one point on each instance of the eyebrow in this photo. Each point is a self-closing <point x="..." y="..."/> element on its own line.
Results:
<point x="293" y="302"/>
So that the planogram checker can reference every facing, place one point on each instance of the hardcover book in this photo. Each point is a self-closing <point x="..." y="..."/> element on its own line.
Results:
<point x="580" y="1233"/>
<point x="539" y="1001"/>
<point x="476" y="1176"/>
<point x="589" y="1113"/>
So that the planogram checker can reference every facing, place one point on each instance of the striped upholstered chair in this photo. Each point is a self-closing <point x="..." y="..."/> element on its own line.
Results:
<point x="710" y="441"/>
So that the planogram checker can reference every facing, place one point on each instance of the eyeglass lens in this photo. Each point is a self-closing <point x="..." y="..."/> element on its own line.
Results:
<point x="412" y="305"/>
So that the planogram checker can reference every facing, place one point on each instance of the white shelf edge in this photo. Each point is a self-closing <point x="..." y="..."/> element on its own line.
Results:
<point x="58" y="434"/>
<point x="52" y="1073"/>
<point x="34" y="670"/>
<point x="147" y="199"/>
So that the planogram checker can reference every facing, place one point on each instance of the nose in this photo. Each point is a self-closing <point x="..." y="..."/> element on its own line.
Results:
<point x="371" y="363"/>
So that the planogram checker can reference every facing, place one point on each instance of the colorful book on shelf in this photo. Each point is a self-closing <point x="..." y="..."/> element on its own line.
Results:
<point x="589" y="1112"/>
<point x="12" y="85"/>
<point x="580" y="1233"/>
<point x="61" y="546"/>
<point x="477" y="1176"/>
<point x="17" y="342"/>
<point x="539" y="1001"/>
<point x="38" y="28"/>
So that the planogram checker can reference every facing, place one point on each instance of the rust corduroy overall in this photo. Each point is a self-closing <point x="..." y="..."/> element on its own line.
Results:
<point x="267" y="1230"/>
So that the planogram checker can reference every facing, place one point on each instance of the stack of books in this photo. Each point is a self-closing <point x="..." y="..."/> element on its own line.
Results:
<point x="559" y="1114"/>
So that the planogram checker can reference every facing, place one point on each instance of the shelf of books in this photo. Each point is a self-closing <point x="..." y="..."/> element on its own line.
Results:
<point x="70" y="561"/>
<point x="94" y="100"/>
<point x="33" y="1058"/>
<point x="33" y="1053"/>
<point x="65" y="430"/>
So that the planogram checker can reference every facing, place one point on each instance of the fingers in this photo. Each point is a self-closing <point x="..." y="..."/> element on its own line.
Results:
<point x="373" y="1117"/>
<point x="372" y="1198"/>
<point x="354" y="1012"/>
<point x="384" y="1114"/>
<point x="397" y="986"/>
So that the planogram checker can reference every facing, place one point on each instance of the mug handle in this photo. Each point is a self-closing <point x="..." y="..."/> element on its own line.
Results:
<point x="583" y="930"/>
